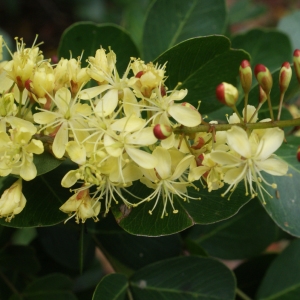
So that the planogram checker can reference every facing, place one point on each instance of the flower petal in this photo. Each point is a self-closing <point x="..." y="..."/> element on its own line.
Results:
<point x="164" y="162"/>
<point x="107" y="103"/>
<point x="142" y="158"/>
<point x="185" y="115"/>
<point x="273" y="166"/>
<point x="237" y="139"/>
<point x="60" y="140"/>
<point x="269" y="143"/>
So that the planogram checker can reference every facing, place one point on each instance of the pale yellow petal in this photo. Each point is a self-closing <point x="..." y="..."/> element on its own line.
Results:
<point x="237" y="139"/>
<point x="185" y="115"/>
<point x="269" y="143"/>
<point x="107" y="104"/>
<point x="92" y="92"/>
<point x="273" y="166"/>
<point x="76" y="152"/>
<point x="164" y="162"/>
<point x="142" y="158"/>
<point x="60" y="140"/>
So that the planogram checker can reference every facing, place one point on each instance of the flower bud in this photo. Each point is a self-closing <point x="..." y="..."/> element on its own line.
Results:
<point x="245" y="76"/>
<point x="227" y="94"/>
<point x="296" y="60"/>
<point x="12" y="201"/>
<point x="264" y="78"/>
<point x="298" y="154"/>
<point x="285" y="76"/>
<point x="162" y="131"/>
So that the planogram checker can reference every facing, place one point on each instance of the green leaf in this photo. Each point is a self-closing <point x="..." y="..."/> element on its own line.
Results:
<point x="236" y="235"/>
<point x="89" y="37"/>
<point x="268" y="47"/>
<point x="183" y="278"/>
<point x="284" y="207"/>
<point x="211" y="208"/>
<point x="169" y="23"/>
<point x="44" y="196"/>
<point x="19" y="258"/>
<point x="46" y="162"/>
<point x="50" y="287"/>
<point x="146" y="250"/>
<point x="290" y="25"/>
<point x="111" y="287"/>
<point x="62" y="243"/>
<point x="250" y="273"/>
<point x="201" y="64"/>
<point x="282" y="280"/>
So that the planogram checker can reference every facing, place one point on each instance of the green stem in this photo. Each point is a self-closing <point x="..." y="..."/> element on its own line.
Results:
<point x="280" y="106"/>
<point x="242" y="295"/>
<point x="9" y="284"/>
<point x="225" y="127"/>
<point x="81" y="248"/>
<point x="245" y="107"/>
<point x="270" y="107"/>
<point x="129" y="294"/>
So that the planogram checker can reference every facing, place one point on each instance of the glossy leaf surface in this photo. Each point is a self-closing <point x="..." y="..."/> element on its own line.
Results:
<point x="183" y="278"/>
<point x="168" y="24"/>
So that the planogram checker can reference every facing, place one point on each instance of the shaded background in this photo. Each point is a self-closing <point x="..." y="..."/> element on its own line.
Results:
<point x="49" y="18"/>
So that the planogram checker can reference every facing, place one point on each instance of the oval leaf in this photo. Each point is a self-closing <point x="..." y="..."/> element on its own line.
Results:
<point x="250" y="224"/>
<point x="88" y="37"/>
<point x="183" y="278"/>
<point x="284" y="208"/>
<point x="282" y="280"/>
<point x="256" y="41"/>
<point x="111" y="287"/>
<point x="210" y="209"/>
<point x="200" y="65"/>
<point x="167" y="25"/>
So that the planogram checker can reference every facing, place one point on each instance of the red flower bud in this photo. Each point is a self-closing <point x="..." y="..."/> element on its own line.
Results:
<point x="162" y="131"/>
<point x="264" y="78"/>
<point x="227" y="94"/>
<point x="245" y="76"/>
<point x="296" y="60"/>
<point x="285" y="76"/>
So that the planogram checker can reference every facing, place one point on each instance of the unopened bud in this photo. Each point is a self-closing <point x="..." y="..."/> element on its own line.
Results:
<point x="285" y="76"/>
<point x="162" y="131"/>
<point x="296" y="60"/>
<point x="264" y="78"/>
<point x="262" y="95"/>
<point x="245" y="76"/>
<point x="227" y="94"/>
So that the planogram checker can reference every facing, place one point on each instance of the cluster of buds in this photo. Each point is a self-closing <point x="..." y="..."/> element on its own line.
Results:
<point x="125" y="131"/>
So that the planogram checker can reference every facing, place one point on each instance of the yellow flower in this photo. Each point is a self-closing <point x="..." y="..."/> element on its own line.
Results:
<point x="168" y="178"/>
<point x="12" y="201"/>
<point x="81" y="206"/>
<point x="70" y="116"/>
<point x="16" y="152"/>
<point x="249" y="156"/>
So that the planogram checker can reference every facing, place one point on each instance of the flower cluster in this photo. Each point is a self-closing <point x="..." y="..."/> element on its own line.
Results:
<point x="123" y="131"/>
